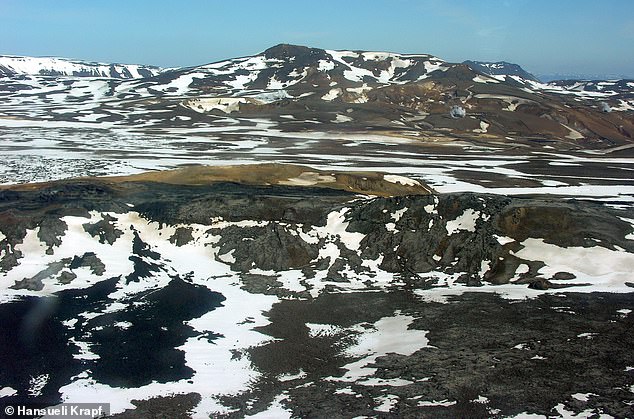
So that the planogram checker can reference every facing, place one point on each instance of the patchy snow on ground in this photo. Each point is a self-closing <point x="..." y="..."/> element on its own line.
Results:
<point x="396" y="215"/>
<point x="387" y="335"/>
<point x="308" y="179"/>
<point x="36" y="384"/>
<point x="209" y="360"/>
<point x="275" y="410"/>
<point x="337" y="225"/>
<point x="290" y="377"/>
<point x="503" y="240"/>
<point x="583" y="397"/>
<point x="483" y="128"/>
<point x="386" y="403"/>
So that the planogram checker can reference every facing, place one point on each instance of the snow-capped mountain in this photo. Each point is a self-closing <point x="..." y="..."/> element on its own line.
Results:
<point x="500" y="68"/>
<point x="11" y="66"/>
<point x="289" y="84"/>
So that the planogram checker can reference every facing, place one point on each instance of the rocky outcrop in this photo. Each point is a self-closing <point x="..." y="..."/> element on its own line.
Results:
<point x="423" y="240"/>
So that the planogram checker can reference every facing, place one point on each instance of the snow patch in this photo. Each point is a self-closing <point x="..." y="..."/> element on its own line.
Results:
<point x="484" y="79"/>
<point x="466" y="221"/>
<point x="290" y="377"/>
<point x="331" y="95"/>
<point x="401" y="179"/>
<point x="386" y="403"/>
<point x="84" y="350"/>
<point x="337" y="225"/>
<point x="37" y="384"/>
<point x="583" y="397"/>
<point x="325" y="65"/>
<point x="339" y="119"/>
<point x="291" y="280"/>
<point x="483" y="128"/>
<point x="444" y="403"/>
<point x="387" y="335"/>
<point x="396" y="215"/>
<point x="7" y="392"/>
<point x="607" y="270"/>
<point x="503" y="240"/>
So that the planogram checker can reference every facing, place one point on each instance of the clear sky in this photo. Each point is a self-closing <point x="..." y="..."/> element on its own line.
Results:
<point x="544" y="36"/>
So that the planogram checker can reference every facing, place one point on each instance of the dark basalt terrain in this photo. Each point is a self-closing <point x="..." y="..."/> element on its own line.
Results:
<point x="486" y="356"/>
<point x="493" y="357"/>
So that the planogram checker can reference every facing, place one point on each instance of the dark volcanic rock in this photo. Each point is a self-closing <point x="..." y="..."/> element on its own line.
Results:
<point x="539" y="284"/>
<point x="182" y="236"/>
<point x="104" y="229"/>
<point x="300" y="55"/>
<point x="89" y="260"/>
<point x="66" y="277"/>
<point x="51" y="229"/>
<point x="421" y="242"/>
<point x="35" y="283"/>
<point x="234" y="202"/>
<point x="177" y="406"/>
<point x="270" y="247"/>
<point x="563" y="276"/>
<point x="564" y="223"/>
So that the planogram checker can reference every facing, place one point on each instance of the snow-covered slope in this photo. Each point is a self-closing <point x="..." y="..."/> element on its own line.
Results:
<point x="619" y="92"/>
<point x="48" y="66"/>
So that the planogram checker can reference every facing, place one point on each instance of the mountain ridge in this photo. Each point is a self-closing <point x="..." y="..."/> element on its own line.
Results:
<point x="151" y="70"/>
<point x="355" y="90"/>
<point x="139" y="70"/>
<point x="14" y="65"/>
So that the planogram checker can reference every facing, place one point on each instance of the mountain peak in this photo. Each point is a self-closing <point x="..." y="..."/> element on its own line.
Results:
<point x="286" y="51"/>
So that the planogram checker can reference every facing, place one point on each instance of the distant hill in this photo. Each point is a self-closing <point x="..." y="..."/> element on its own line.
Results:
<point x="50" y="66"/>
<point x="500" y="68"/>
<point x="547" y="78"/>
